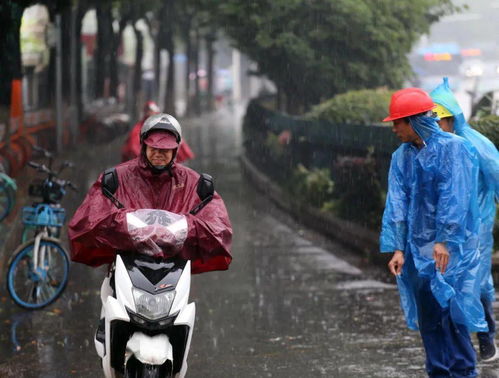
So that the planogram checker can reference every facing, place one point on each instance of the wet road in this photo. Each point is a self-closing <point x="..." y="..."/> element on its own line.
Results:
<point x="292" y="304"/>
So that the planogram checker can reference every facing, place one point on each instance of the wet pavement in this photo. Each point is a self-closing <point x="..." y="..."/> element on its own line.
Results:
<point x="292" y="304"/>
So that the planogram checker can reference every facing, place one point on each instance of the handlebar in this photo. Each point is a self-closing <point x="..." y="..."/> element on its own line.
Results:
<point x="40" y="167"/>
<point x="72" y="186"/>
<point x="45" y="153"/>
<point x="43" y="168"/>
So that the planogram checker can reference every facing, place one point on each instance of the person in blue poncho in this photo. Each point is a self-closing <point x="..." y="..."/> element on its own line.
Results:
<point x="452" y="120"/>
<point x="431" y="223"/>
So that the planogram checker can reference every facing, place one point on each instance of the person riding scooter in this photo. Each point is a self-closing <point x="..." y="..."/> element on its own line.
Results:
<point x="153" y="180"/>
<point x="131" y="147"/>
<point x="152" y="219"/>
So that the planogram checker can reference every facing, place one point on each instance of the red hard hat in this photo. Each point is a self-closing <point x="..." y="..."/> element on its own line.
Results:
<point x="407" y="102"/>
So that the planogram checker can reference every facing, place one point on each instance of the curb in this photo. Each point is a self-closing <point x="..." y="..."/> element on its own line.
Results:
<point x="358" y="238"/>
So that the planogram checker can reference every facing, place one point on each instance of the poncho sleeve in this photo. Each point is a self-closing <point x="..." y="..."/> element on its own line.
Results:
<point x="394" y="225"/>
<point x="209" y="239"/>
<point x="488" y="157"/>
<point x="91" y="241"/>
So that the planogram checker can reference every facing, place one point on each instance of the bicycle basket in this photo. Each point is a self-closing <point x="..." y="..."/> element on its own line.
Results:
<point x="43" y="215"/>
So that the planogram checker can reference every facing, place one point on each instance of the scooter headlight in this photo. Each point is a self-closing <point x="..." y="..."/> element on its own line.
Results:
<point x="153" y="306"/>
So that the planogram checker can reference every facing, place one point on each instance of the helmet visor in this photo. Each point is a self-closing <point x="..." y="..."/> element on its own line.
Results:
<point x="161" y="139"/>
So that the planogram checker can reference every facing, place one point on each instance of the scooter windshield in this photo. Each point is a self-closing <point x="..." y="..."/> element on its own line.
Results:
<point x="157" y="233"/>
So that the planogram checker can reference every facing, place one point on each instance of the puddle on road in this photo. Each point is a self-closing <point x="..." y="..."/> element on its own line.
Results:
<point x="364" y="284"/>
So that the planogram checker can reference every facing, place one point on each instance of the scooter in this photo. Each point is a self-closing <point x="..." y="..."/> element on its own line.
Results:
<point x="146" y="321"/>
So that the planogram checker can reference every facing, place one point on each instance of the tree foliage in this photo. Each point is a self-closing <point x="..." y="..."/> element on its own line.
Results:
<point x="314" y="49"/>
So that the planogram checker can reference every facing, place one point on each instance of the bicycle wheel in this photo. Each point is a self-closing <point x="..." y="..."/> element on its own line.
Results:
<point x="7" y="196"/>
<point x="36" y="287"/>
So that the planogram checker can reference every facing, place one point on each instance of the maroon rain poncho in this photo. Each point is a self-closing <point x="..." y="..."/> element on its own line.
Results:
<point x="99" y="228"/>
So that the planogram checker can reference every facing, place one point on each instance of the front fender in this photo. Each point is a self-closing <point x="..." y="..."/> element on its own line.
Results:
<point x="155" y="350"/>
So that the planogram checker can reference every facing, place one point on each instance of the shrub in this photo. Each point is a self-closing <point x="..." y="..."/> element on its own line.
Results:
<point x="358" y="190"/>
<point x="361" y="107"/>
<point x="276" y="149"/>
<point x="314" y="187"/>
<point x="488" y="126"/>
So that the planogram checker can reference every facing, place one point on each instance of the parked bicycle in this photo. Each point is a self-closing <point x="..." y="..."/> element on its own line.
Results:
<point x="39" y="268"/>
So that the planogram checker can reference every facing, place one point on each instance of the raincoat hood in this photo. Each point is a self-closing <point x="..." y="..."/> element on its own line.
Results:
<point x="162" y="140"/>
<point x="424" y="126"/>
<point x="443" y="95"/>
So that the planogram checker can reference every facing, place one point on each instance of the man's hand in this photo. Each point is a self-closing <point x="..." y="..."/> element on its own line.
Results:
<point x="441" y="256"/>
<point x="396" y="263"/>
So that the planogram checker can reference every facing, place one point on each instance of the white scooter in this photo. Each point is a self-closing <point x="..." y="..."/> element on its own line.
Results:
<point x="146" y="321"/>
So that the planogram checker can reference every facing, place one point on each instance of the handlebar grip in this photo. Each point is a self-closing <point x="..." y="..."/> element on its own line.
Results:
<point x="32" y="164"/>
<point x="46" y="153"/>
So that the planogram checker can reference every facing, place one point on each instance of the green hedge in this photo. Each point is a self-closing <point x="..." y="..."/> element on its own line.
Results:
<point x="488" y="126"/>
<point x="362" y="107"/>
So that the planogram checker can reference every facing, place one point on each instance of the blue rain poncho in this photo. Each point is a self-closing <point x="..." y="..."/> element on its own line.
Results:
<point x="432" y="198"/>
<point x="488" y="181"/>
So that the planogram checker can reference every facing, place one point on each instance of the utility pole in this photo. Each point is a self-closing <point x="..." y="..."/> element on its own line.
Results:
<point x="58" y="84"/>
<point x="73" y="102"/>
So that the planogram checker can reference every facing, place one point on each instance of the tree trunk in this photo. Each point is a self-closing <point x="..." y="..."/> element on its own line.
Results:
<point x="113" y="59"/>
<point x="99" y="53"/>
<point x="169" y="104"/>
<point x="51" y="71"/>
<point x="197" y="90"/>
<point x="80" y="13"/>
<point x="137" y="73"/>
<point x="170" y="81"/>
<point x="294" y="103"/>
<point x="158" y="46"/>
<point x="188" y="63"/>
<point x="113" y="65"/>
<point x="66" y="49"/>
<point x="210" y="98"/>
<point x="166" y="42"/>
<point x="104" y="41"/>
<point x="10" y="58"/>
